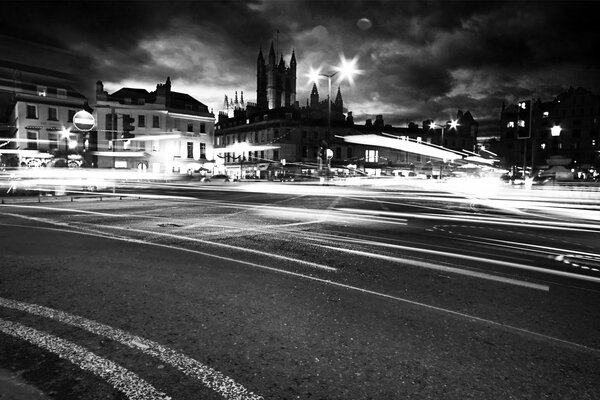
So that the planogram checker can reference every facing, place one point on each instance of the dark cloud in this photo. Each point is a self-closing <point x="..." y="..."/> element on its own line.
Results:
<point x="420" y="59"/>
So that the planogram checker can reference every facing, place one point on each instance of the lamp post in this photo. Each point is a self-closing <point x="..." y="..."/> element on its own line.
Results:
<point x="348" y="70"/>
<point x="432" y="126"/>
<point x="329" y="76"/>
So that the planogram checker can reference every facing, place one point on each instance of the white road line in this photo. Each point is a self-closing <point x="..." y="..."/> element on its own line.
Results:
<point x="170" y="235"/>
<point x="211" y="378"/>
<point x="428" y="265"/>
<point x="121" y="378"/>
<point x="367" y="291"/>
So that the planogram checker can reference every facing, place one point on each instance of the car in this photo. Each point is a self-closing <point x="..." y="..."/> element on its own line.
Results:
<point x="216" y="178"/>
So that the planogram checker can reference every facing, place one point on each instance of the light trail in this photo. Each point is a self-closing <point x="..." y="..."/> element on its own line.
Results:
<point x="189" y="239"/>
<point x="328" y="282"/>
<point x="215" y="380"/>
<point x="529" y="223"/>
<point x="125" y="381"/>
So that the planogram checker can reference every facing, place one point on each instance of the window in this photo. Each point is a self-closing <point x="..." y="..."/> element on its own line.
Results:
<point x="510" y="124"/>
<point x="275" y="154"/>
<point x="52" y="140"/>
<point x="155" y="145"/>
<point x="32" y="137"/>
<point x="371" y="155"/>
<point x="190" y="127"/>
<point x="31" y="111"/>
<point x="338" y="152"/>
<point x="202" y="127"/>
<point x="190" y="149"/>
<point x="142" y="121"/>
<point x="188" y="107"/>
<point x="202" y="150"/>
<point x="61" y="93"/>
<point x="546" y="114"/>
<point x="109" y="126"/>
<point x="305" y="151"/>
<point x="52" y="114"/>
<point x="262" y="154"/>
<point x="42" y="91"/>
<point x="141" y="101"/>
<point x="71" y="114"/>
<point x="127" y="100"/>
<point x="155" y="121"/>
<point x="349" y="152"/>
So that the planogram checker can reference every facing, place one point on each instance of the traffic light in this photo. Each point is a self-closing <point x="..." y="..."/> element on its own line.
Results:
<point x="127" y="127"/>
<point x="524" y="119"/>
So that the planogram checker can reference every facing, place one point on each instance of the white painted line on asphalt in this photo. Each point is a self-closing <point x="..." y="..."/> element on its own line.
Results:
<point x="170" y="235"/>
<point x="215" y="380"/>
<point x="121" y="378"/>
<point x="428" y="265"/>
<point x="354" y="288"/>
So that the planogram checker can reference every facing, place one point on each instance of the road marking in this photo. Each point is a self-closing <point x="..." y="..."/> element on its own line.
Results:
<point x="428" y="265"/>
<point x="170" y="235"/>
<point x="121" y="378"/>
<point x="348" y="287"/>
<point x="211" y="378"/>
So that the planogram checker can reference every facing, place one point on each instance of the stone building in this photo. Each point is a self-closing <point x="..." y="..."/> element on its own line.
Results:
<point x="162" y="131"/>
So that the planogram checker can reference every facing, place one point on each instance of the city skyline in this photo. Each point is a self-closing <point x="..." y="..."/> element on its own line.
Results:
<point x="419" y="60"/>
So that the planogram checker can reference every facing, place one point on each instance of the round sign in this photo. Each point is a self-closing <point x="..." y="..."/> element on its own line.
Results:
<point x="83" y="120"/>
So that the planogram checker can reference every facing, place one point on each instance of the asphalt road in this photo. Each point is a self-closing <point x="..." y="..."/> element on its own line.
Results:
<point x="296" y="291"/>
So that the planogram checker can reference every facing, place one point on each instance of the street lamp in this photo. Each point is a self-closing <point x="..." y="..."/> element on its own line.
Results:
<point x="453" y="125"/>
<point x="347" y="69"/>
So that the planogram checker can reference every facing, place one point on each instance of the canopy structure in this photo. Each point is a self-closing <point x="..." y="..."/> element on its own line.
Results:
<point x="404" y="144"/>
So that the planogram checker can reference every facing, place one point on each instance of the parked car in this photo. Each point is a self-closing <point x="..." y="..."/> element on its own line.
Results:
<point x="216" y="178"/>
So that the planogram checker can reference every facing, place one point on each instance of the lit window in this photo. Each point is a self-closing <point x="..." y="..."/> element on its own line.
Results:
<point x="543" y="146"/>
<point x="419" y="139"/>
<point x="546" y="114"/>
<point x="371" y="155"/>
<point x="41" y="91"/>
<point x="510" y="124"/>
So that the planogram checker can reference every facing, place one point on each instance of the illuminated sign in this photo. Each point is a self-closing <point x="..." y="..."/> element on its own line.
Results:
<point x="83" y="120"/>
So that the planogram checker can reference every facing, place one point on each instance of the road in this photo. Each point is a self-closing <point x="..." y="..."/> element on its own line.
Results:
<point x="286" y="291"/>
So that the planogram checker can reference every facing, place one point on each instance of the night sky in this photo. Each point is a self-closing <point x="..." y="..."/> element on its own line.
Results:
<point x="419" y="59"/>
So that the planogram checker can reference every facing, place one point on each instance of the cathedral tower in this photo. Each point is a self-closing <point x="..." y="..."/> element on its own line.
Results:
<point x="275" y="82"/>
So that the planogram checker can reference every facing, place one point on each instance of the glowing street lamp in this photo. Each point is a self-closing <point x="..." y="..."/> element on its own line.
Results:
<point x="346" y="70"/>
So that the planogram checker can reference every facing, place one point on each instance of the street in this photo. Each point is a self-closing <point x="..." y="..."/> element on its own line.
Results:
<point x="290" y="291"/>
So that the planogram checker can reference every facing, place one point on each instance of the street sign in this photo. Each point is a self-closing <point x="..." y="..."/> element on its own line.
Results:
<point x="329" y="153"/>
<point x="84" y="121"/>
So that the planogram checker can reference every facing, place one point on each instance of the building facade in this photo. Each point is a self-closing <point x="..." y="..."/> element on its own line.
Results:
<point x="38" y="109"/>
<point x="274" y="138"/>
<point x="161" y="131"/>
<point x="565" y="130"/>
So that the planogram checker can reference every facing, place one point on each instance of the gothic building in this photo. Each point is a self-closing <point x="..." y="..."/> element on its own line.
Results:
<point x="275" y="82"/>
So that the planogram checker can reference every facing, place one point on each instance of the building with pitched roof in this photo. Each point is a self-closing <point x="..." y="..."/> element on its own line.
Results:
<point x="162" y="131"/>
